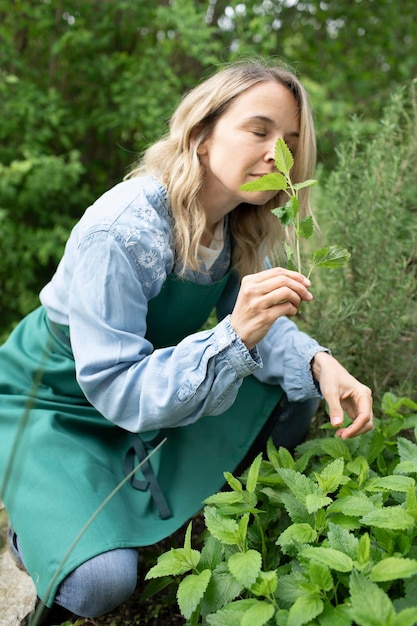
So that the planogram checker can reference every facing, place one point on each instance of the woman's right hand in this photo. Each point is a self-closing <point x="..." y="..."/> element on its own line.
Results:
<point x="263" y="298"/>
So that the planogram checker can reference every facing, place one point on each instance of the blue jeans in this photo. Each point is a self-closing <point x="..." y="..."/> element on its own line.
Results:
<point x="109" y="579"/>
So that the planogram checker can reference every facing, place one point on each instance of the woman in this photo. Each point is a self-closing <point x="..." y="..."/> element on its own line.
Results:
<point x="121" y="367"/>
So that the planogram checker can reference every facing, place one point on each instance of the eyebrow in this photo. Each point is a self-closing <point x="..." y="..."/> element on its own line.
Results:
<point x="268" y="120"/>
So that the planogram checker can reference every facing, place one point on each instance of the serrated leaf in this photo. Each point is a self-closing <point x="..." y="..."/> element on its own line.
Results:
<point x="335" y="559"/>
<point x="306" y="228"/>
<point x="330" y="477"/>
<point x="341" y="539"/>
<point x="354" y="506"/>
<point x="284" y="159"/>
<point x="245" y="566"/>
<point x="335" y="447"/>
<point x="406" y="617"/>
<point x="176" y="561"/>
<point x="320" y="575"/>
<point x="305" y="609"/>
<point x="222" y="588"/>
<point x="335" y="616"/>
<point x="268" y="182"/>
<point x="364" y="549"/>
<point x="190" y="591"/>
<point x="370" y="605"/>
<point x="302" y="533"/>
<point x="393" y="568"/>
<point x="233" y="482"/>
<point x="407" y="450"/>
<point x="231" y="614"/>
<point x="258" y="614"/>
<point x="306" y="183"/>
<point x="390" y="483"/>
<point x="253" y="474"/>
<point x="211" y="553"/>
<point x="330" y="257"/>
<point x="222" y="528"/>
<point x="299" y="484"/>
<point x="317" y="501"/>
<point x="224" y="498"/>
<point x="265" y="584"/>
<point x="393" y="517"/>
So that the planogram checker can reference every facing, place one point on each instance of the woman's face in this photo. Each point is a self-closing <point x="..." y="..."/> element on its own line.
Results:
<point x="241" y="147"/>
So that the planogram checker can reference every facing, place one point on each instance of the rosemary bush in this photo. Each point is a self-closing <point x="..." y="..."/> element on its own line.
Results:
<point x="367" y="311"/>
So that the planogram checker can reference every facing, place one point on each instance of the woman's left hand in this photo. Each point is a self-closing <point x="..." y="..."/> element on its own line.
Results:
<point x="343" y="392"/>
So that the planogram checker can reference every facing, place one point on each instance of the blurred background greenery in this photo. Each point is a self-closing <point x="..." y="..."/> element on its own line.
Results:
<point x="87" y="85"/>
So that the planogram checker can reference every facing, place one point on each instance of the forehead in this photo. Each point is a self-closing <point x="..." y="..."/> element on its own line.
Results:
<point x="270" y="100"/>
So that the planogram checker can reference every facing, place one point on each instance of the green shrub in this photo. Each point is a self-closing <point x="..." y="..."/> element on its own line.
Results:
<point x="367" y="311"/>
<point x="326" y="537"/>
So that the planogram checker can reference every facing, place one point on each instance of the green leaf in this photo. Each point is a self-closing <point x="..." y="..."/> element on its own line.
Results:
<point x="364" y="549"/>
<point x="335" y="616"/>
<point x="306" y="228"/>
<point x="211" y="553"/>
<point x="335" y="559"/>
<point x="306" y="183"/>
<point x="354" y="506"/>
<point x="330" y="257"/>
<point x="320" y="575"/>
<point x="299" y="484"/>
<point x="233" y="482"/>
<point x="390" y="483"/>
<point x="191" y="590"/>
<point x="232" y="613"/>
<point x="370" y="605"/>
<point x="245" y="566"/>
<point x="393" y="568"/>
<point x="335" y="447"/>
<point x="222" y="588"/>
<point x="341" y="539"/>
<point x="305" y="609"/>
<point x="176" y="561"/>
<point x="302" y="533"/>
<point x="287" y="214"/>
<point x="253" y="474"/>
<point x="407" y="617"/>
<point x="284" y="160"/>
<point x="224" y="498"/>
<point x="258" y="614"/>
<point x="330" y="477"/>
<point x="265" y="584"/>
<point x="393" y="517"/>
<point x="222" y="528"/>
<point x="268" y="182"/>
<point x="316" y="501"/>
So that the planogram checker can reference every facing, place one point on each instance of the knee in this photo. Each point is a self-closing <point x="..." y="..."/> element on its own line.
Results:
<point x="100" y="584"/>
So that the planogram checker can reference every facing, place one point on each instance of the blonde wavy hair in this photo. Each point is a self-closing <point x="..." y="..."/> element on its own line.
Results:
<point x="174" y="160"/>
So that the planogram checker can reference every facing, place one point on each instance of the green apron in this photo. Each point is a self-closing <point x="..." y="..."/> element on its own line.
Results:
<point x="69" y="458"/>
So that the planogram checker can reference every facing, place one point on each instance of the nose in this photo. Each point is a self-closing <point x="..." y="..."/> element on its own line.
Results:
<point x="270" y="151"/>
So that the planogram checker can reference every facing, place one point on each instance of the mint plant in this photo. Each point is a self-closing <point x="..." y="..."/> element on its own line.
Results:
<point x="326" y="536"/>
<point x="289" y="214"/>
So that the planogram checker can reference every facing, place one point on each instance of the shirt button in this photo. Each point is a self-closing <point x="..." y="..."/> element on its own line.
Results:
<point x="223" y="341"/>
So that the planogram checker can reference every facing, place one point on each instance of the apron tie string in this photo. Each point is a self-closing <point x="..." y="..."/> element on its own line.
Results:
<point x="141" y="450"/>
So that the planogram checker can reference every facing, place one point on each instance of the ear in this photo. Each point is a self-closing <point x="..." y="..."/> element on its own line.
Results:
<point x="202" y="148"/>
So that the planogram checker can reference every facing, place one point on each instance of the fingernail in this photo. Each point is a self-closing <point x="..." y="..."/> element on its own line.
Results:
<point x="309" y="296"/>
<point x="337" y="420"/>
<point x="307" y="282"/>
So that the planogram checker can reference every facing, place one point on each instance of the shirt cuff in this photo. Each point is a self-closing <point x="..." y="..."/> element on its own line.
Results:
<point x="227" y="340"/>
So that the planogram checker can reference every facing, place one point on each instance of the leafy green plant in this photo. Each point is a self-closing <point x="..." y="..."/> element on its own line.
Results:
<point x="326" y="536"/>
<point x="289" y="214"/>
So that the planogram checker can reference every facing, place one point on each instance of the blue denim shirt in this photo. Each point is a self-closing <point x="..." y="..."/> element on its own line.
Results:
<point x="116" y="259"/>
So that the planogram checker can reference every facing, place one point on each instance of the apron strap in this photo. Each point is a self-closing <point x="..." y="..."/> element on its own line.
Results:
<point x="141" y="450"/>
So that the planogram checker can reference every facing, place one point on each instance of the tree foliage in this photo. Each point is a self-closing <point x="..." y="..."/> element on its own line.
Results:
<point x="87" y="85"/>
